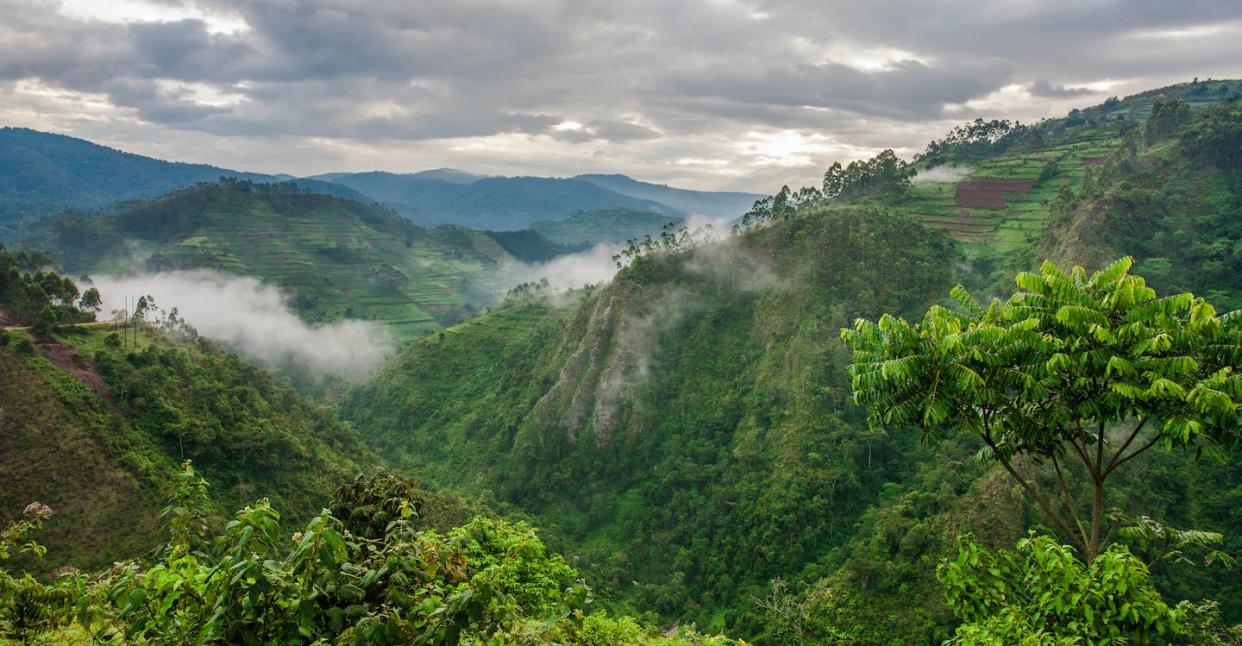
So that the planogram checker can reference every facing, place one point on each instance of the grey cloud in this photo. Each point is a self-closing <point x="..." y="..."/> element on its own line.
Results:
<point x="1043" y="87"/>
<point x="656" y="81"/>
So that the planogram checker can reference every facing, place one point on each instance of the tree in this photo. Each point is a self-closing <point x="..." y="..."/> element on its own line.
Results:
<point x="1216" y="137"/>
<point x="46" y="320"/>
<point x="91" y="300"/>
<point x="1095" y="369"/>
<point x="1167" y="117"/>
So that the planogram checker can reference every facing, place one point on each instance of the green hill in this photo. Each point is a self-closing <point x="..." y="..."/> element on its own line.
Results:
<point x="689" y="429"/>
<point x="586" y="228"/>
<point x="96" y="429"/>
<point x="334" y="258"/>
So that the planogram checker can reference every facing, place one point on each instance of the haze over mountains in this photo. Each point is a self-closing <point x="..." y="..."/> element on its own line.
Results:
<point x="42" y="173"/>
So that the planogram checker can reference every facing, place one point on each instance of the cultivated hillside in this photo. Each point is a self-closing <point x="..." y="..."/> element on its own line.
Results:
<point x="333" y="258"/>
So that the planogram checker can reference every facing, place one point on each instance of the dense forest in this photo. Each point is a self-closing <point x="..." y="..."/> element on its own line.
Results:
<point x="892" y="408"/>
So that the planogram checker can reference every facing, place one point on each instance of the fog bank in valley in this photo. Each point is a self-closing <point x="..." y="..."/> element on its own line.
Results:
<point x="252" y="319"/>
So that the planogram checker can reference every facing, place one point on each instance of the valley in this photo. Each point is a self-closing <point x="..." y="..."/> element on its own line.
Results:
<point x="703" y="440"/>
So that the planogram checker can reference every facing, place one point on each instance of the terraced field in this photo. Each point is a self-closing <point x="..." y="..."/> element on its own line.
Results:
<point x="332" y="258"/>
<point x="1005" y="200"/>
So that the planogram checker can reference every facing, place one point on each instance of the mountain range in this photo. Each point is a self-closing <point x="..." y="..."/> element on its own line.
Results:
<point x="686" y="433"/>
<point x="43" y="173"/>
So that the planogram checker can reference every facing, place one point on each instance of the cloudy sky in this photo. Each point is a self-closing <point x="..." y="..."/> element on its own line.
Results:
<point x="716" y="94"/>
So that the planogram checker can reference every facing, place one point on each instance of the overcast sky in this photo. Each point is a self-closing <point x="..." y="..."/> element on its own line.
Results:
<point x="716" y="94"/>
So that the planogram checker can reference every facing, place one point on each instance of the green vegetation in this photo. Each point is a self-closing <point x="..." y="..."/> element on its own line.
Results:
<point x="688" y="429"/>
<point x="248" y="582"/>
<point x="1064" y="363"/>
<point x="687" y="433"/>
<point x="334" y="258"/>
<point x="586" y="228"/>
<point x="31" y="296"/>
<point x="663" y="413"/>
<point x="94" y="428"/>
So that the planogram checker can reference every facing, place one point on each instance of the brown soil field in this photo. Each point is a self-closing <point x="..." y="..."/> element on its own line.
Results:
<point x="988" y="192"/>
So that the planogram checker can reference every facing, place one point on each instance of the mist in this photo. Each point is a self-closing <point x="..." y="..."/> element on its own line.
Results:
<point x="252" y="319"/>
<point x="943" y="174"/>
<point x="595" y="265"/>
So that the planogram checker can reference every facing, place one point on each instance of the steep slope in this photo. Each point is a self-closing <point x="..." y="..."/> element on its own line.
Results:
<point x="585" y="228"/>
<point x="496" y="203"/>
<point x="42" y="173"/>
<point x="334" y="258"/>
<point x="688" y="428"/>
<point x="95" y="429"/>
<point x="712" y="204"/>
<point x="683" y="426"/>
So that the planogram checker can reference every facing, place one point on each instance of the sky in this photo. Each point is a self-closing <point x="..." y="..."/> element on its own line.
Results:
<point x="708" y="94"/>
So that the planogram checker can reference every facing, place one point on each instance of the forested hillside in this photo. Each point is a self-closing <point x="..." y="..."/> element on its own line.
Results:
<point x="333" y="258"/>
<point x="690" y="428"/>
<point x="97" y="418"/>
<point x="585" y="228"/>
<point x="885" y="409"/>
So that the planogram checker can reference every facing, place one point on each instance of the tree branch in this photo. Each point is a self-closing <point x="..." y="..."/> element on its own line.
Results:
<point x="1030" y="490"/>
<point x="1099" y="452"/>
<point x="1081" y="450"/>
<point x="1112" y="464"/>
<point x="1155" y="438"/>
<point x="1065" y="495"/>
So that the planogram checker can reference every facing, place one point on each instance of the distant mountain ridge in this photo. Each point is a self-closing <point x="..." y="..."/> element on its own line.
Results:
<point x="42" y="173"/>
<point x="447" y="196"/>
<point x="713" y="204"/>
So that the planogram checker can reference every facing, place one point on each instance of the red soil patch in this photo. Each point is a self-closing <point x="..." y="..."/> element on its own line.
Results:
<point x="988" y="192"/>
<point x="82" y="368"/>
<point x="1093" y="161"/>
<point x="437" y="308"/>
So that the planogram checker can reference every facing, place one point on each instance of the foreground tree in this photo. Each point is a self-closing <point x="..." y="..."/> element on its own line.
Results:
<point x="1091" y="369"/>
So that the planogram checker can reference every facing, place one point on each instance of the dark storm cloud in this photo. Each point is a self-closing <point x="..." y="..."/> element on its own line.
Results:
<point x="653" y="79"/>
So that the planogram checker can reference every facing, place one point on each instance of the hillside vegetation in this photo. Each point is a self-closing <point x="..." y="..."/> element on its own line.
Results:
<point x="586" y="228"/>
<point x="689" y="427"/>
<point x="333" y="258"/>
<point x="871" y="413"/>
<point x="95" y="429"/>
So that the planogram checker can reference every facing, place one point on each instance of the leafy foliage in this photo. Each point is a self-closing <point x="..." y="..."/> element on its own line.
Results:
<point x="1052" y="369"/>
<point x="1042" y="594"/>
<point x="29" y="295"/>
<point x="487" y="581"/>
